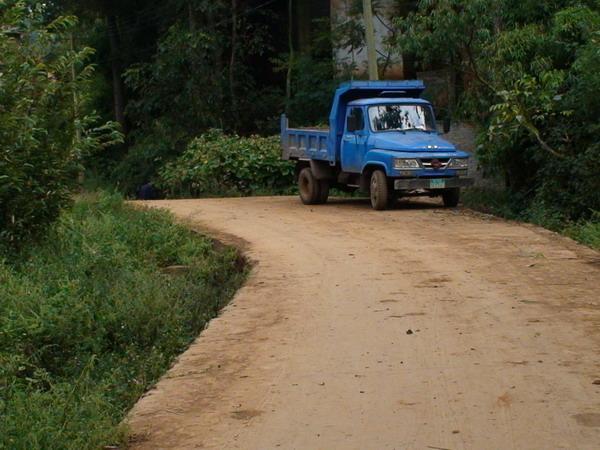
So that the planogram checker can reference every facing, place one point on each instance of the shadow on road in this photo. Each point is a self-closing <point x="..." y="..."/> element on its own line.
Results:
<point x="414" y="203"/>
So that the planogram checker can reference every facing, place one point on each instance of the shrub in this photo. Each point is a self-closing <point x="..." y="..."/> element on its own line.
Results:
<point x="44" y="129"/>
<point x="88" y="321"/>
<point x="218" y="164"/>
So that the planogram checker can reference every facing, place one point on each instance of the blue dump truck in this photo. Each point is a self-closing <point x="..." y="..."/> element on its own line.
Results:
<point x="382" y="139"/>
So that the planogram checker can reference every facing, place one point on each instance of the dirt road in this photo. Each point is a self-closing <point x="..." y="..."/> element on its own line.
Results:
<point x="416" y="328"/>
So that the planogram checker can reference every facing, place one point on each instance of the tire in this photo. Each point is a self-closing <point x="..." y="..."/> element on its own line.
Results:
<point x="379" y="190"/>
<point x="308" y="186"/>
<point x="323" y="191"/>
<point x="451" y="197"/>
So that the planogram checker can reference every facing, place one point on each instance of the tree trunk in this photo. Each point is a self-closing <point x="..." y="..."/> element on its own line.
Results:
<point x="370" y="38"/>
<point x="303" y="25"/>
<point x="232" y="62"/>
<point x="115" y="63"/>
<point x="191" y="17"/>
<point x="218" y="58"/>
<point x="288" y="77"/>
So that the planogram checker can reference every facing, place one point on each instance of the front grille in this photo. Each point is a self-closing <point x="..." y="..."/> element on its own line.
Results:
<point x="430" y="163"/>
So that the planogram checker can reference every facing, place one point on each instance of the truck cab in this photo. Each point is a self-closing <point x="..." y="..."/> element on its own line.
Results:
<point x="382" y="139"/>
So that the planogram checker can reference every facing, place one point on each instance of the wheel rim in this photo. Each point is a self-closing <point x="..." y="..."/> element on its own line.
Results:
<point x="304" y="185"/>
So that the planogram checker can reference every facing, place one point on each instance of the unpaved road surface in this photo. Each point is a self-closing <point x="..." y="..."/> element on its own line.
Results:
<point x="416" y="328"/>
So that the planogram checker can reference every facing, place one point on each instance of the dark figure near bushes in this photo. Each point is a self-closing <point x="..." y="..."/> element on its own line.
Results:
<point x="147" y="192"/>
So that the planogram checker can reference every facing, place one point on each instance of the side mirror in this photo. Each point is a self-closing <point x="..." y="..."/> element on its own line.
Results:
<point x="447" y="124"/>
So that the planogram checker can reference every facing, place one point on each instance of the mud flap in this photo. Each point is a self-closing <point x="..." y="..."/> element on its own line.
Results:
<point x="322" y="170"/>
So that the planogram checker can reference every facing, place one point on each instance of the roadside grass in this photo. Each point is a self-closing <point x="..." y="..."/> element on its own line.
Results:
<point x="502" y="204"/>
<point x="88" y="321"/>
<point x="587" y="233"/>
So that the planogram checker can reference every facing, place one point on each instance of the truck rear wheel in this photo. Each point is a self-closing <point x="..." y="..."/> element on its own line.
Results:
<point x="309" y="187"/>
<point x="451" y="197"/>
<point x="323" y="191"/>
<point x="380" y="194"/>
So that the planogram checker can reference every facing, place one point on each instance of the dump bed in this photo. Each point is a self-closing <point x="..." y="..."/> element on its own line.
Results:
<point x="303" y="143"/>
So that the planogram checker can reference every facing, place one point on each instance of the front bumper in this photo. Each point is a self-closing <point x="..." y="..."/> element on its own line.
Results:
<point x="411" y="184"/>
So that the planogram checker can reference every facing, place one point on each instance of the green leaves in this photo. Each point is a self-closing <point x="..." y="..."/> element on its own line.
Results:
<point x="219" y="164"/>
<point x="45" y="123"/>
<point x="531" y="74"/>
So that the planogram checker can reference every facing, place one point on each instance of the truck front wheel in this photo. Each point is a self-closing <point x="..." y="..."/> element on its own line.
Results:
<point x="308" y="185"/>
<point x="451" y="196"/>
<point x="380" y="193"/>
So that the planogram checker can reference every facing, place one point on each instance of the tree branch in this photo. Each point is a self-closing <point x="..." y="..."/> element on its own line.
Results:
<point x="529" y="126"/>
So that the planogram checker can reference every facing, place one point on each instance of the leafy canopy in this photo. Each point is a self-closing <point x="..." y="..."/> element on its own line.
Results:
<point x="531" y="73"/>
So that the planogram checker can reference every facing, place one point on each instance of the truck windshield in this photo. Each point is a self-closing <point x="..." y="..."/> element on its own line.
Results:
<point x="401" y="117"/>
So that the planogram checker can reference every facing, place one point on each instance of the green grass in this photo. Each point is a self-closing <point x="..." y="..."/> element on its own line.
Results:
<point x="88" y="322"/>
<point x="503" y="204"/>
<point x="587" y="233"/>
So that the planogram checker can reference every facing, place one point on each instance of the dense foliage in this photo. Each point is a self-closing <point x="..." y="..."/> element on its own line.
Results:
<point x="201" y="76"/>
<point x="45" y="128"/>
<point x="88" y="321"/>
<point x="531" y="77"/>
<point x="219" y="164"/>
<point x="179" y="68"/>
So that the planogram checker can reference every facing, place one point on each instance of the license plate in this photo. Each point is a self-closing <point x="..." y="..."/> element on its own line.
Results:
<point x="438" y="183"/>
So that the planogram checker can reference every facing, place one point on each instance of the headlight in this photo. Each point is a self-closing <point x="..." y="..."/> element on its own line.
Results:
<point x="459" y="163"/>
<point x="400" y="163"/>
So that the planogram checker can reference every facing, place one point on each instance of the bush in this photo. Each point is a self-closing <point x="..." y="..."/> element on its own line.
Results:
<point x="88" y="322"/>
<point x="219" y="164"/>
<point x="44" y="129"/>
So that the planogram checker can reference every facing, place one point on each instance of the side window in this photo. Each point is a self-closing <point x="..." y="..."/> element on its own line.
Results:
<point x="355" y="121"/>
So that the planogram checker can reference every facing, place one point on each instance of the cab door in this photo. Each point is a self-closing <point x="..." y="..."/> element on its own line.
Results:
<point x="354" y="141"/>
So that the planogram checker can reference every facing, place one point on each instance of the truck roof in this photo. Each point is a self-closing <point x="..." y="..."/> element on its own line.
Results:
<point x="386" y="101"/>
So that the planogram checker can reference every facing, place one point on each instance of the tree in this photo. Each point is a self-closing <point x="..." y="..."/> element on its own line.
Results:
<point x="524" y="66"/>
<point x="130" y="32"/>
<point x="45" y="129"/>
